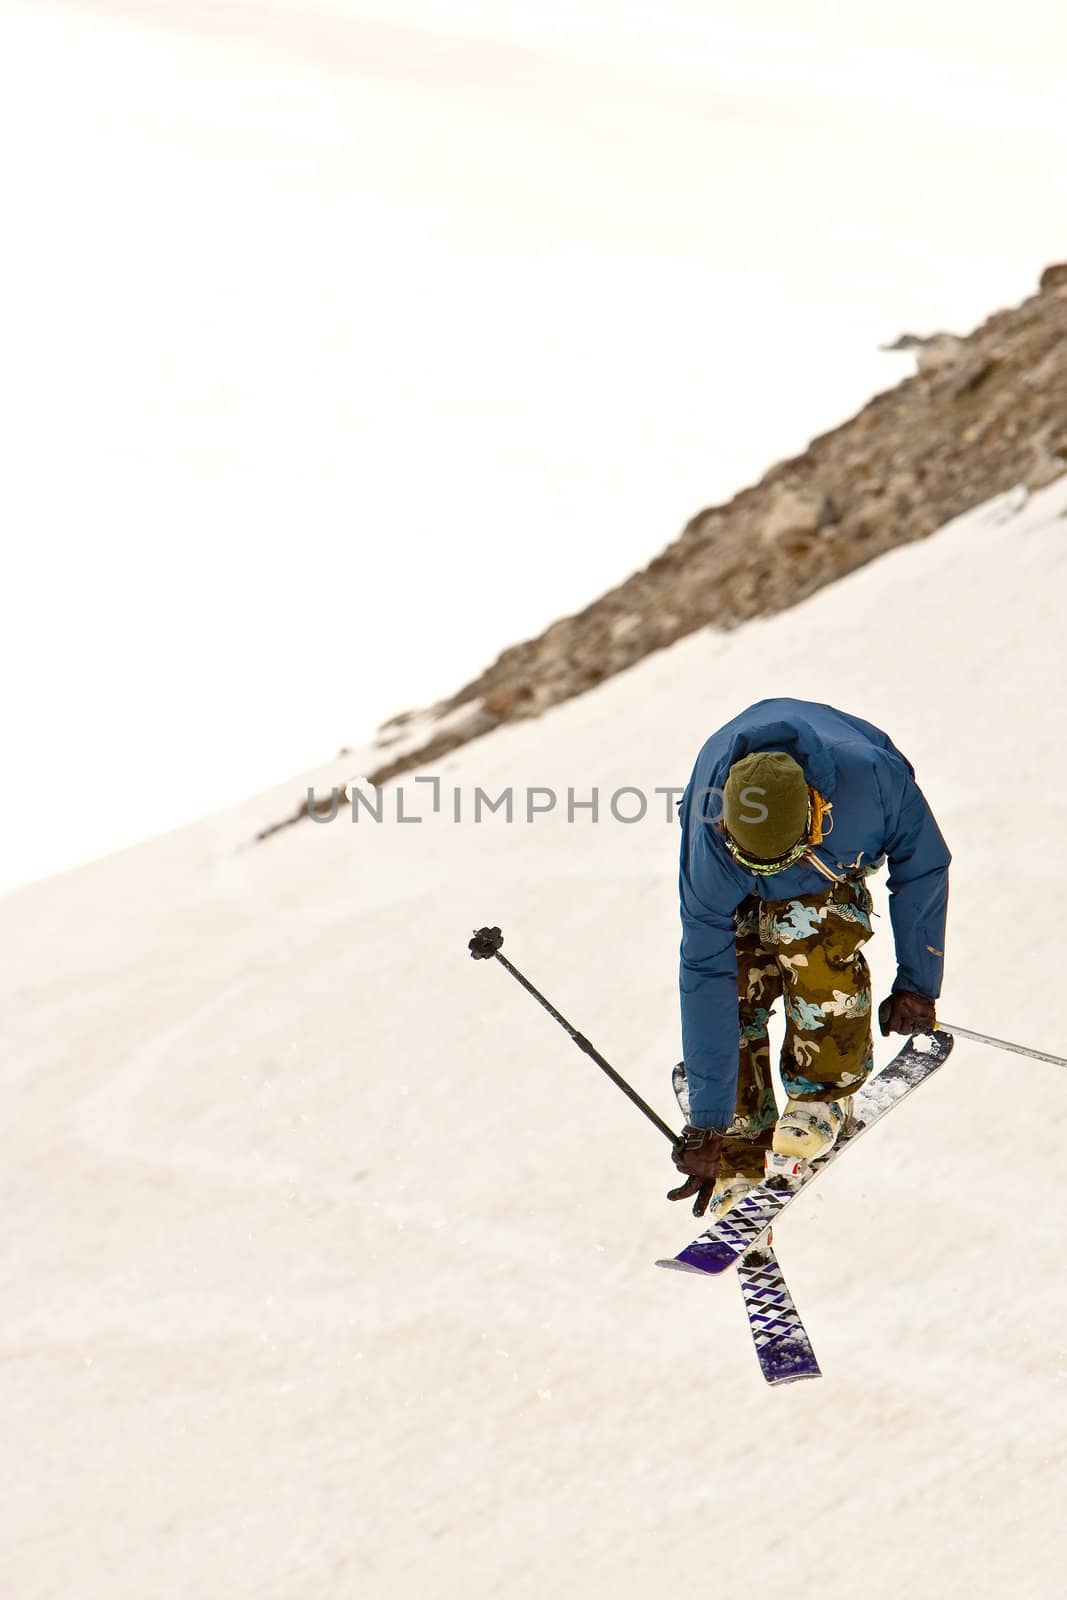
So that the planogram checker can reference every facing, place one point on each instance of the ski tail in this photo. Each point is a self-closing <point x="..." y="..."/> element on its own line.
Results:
<point x="783" y="1348"/>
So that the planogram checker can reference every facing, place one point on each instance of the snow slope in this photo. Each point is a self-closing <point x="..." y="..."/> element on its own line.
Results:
<point x="328" y="1258"/>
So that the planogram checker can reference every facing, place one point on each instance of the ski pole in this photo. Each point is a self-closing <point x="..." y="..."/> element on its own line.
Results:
<point x="1002" y="1044"/>
<point x="485" y="945"/>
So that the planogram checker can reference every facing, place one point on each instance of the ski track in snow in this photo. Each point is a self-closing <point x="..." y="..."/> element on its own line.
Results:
<point x="328" y="1259"/>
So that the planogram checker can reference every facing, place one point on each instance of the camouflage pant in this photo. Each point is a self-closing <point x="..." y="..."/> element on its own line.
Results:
<point x="807" y="951"/>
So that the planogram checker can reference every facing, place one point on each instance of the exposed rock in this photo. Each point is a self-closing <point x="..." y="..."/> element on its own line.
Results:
<point x="931" y="350"/>
<point x="974" y="374"/>
<point x="941" y="350"/>
<point x="906" y="341"/>
<point x="1054" y="277"/>
<point x="795" y="511"/>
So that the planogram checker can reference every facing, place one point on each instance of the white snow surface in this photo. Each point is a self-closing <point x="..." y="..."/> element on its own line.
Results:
<point x="328" y="1258"/>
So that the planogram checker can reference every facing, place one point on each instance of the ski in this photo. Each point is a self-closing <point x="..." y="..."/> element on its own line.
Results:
<point x="781" y="1341"/>
<point x="783" y="1348"/>
<point x="721" y="1246"/>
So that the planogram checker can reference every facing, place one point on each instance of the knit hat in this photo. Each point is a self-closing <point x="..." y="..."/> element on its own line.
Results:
<point x="765" y="804"/>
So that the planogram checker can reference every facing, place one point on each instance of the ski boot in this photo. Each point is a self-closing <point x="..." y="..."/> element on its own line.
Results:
<point x="726" y="1193"/>
<point x="807" y="1130"/>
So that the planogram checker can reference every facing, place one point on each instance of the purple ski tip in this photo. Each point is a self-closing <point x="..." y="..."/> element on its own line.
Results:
<point x="703" y="1255"/>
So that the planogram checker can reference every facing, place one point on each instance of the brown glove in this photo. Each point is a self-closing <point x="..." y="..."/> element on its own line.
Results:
<point x="905" y="1012"/>
<point x="697" y="1153"/>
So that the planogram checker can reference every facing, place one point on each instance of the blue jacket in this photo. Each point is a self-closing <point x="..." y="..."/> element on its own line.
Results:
<point x="878" y="812"/>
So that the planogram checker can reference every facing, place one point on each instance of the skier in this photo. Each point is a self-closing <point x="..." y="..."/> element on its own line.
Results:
<point x="789" y="807"/>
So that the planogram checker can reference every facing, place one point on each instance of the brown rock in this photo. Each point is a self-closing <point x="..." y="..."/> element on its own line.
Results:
<point x="1054" y="277"/>
<point x="793" y="511"/>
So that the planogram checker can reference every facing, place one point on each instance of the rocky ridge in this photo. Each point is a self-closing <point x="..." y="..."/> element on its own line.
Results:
<point x="984" y="413"/>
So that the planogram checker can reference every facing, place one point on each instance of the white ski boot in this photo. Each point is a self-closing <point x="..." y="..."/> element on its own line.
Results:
<point x="807" y="1130"/>
<point x="725" y="1195"/>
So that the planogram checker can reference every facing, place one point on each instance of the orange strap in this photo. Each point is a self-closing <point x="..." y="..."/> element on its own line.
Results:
<point x="821" y="808"/>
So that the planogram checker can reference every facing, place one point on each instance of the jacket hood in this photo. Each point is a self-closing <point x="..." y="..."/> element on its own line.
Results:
<point x="797" y="738"/>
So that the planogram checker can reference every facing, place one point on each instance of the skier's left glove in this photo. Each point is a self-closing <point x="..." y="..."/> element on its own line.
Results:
<point x="697" y="1153"/>
<point x="905" y="1012"/>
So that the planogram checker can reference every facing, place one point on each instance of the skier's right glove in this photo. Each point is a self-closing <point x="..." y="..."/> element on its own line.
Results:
<point x="905" y="1012"/>
<point x="697" y="1153"/>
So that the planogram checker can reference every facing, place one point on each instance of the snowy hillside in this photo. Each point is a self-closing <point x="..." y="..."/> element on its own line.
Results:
<point x="328" y="1257"/>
